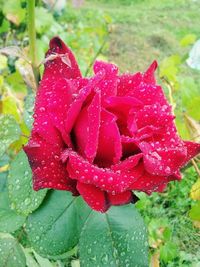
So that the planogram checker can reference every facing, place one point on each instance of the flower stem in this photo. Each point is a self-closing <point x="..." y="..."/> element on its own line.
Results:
<point x="32" y="38"/>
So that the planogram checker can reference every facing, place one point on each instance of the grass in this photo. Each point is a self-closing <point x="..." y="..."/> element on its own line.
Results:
<point x="146" y="30"/>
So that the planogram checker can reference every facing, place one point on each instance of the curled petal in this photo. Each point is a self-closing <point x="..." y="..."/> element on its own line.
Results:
<point x="149" y="183"/>
<point x="163" y="161"/>
<point x="105" y="179"/>
<point x="93" y="196"/>
<point x="127" y="164"/>
<point x="193" y="149"/>
<point x="48" y="170"/>
<point x="63" y="64"/>
<point x="122" y="199"/>
<point x="149" y="74"/>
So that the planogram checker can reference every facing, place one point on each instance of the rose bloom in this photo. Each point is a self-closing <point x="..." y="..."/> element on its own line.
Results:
<point x="103" y="137"/>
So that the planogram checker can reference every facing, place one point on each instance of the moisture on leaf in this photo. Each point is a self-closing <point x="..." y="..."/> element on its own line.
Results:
<point x="9" y="132"/>
<point x="116" y="238"/>
<point x="58" y="222"/>
<point x="11" y="253"/>
<point x="23" y="198"/>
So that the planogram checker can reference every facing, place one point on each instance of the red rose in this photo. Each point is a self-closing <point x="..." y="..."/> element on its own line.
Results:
<point x="104" y="136"/>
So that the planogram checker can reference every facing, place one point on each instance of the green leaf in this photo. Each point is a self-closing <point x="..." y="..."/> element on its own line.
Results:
<point x="116" y="238"/>
<point x="44" y="20"/>
<point x="13" y="11"/>
<point x="30" y="260"/>
<point x="28" y="111"/>
<point x="195" y="211"/>
<point x="3" y="62"/>
<point x="11" y="253"/>
<point x="23" y="198"/>
<point x="4" y="163"/>
<point x="168" y="252"/>
<point x="9" y="132"/>
<point x="10" y="221"/>
<point x="54" y="228"/>
<point x="188" y="40"/>
<point x="3" y="176"/>
<point x="5" y="26"/>
<point x="42" y="261"/>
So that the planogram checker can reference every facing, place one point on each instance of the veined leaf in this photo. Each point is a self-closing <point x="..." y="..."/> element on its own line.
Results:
<point x="23" y="198"/>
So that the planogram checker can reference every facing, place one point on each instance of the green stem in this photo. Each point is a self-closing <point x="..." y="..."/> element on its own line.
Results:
<point x="32" y="38"/>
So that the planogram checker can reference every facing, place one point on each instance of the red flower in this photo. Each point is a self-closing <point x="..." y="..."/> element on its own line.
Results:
<point x="104" y="136"/>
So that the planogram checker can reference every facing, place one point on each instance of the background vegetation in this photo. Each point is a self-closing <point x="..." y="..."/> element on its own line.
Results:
<point x="130" y="33"/>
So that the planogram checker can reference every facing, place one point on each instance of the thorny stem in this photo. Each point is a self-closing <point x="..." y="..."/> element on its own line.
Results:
<point x="32" y="38"/>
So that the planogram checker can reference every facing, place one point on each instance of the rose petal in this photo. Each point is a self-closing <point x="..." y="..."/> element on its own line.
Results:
<point x="121" y="106"/>
<point x="149" y="74"/>
<point x="93" y="196"/>
<point x="57" y="68"/>
<point x="109" y="149"/>
<point x="59" y="101"/>
<point x="148" y="182"/>
<point x="128" y="82"/>
<point x="81" y="98"/>
<point x="86" y="129"/>
<point x="105" y="179"/>
<point x="48" y="170"/>
<point x="193" y="149"/>
<point x="149" y="94"/>
<point x="129" y="146"/>
<point x="127" y="164"/>
<point x="163" y="161"/>
<point x="121" y="199"/>
<point x="108" y="85"/>
<point x="154" y="115"/>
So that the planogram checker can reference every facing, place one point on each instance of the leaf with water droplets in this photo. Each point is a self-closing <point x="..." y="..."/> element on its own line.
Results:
<point x="28" y="111"/>
<point x="11" y="253"/>
<point x="58" y="222"/>
<point x="10" y="221"/>
<point x="116" y="238"/>
<point x="9" y="132"/>
<point x="23" y="198"/>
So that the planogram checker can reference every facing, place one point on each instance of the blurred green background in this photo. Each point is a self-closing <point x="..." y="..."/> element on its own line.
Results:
<point x="130" y="33"/>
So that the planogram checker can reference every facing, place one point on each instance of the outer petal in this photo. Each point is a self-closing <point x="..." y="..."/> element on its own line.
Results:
<point x="149" y="183"/>
<point x="86" y="129"/>
<point x="193" y="149"/>
<point x="149" y="74"/>
<point x="93" y="196"/>
<point x="58" y="68"/>
<point x="165" y="160"/>
<point x="48" y="170"/>
<point x="122" y="199"/>
<point x="54" y="94"/>
<point x="109" y="149"/>
<point x="58" y="104"/>
<point x="108" y="85"/>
